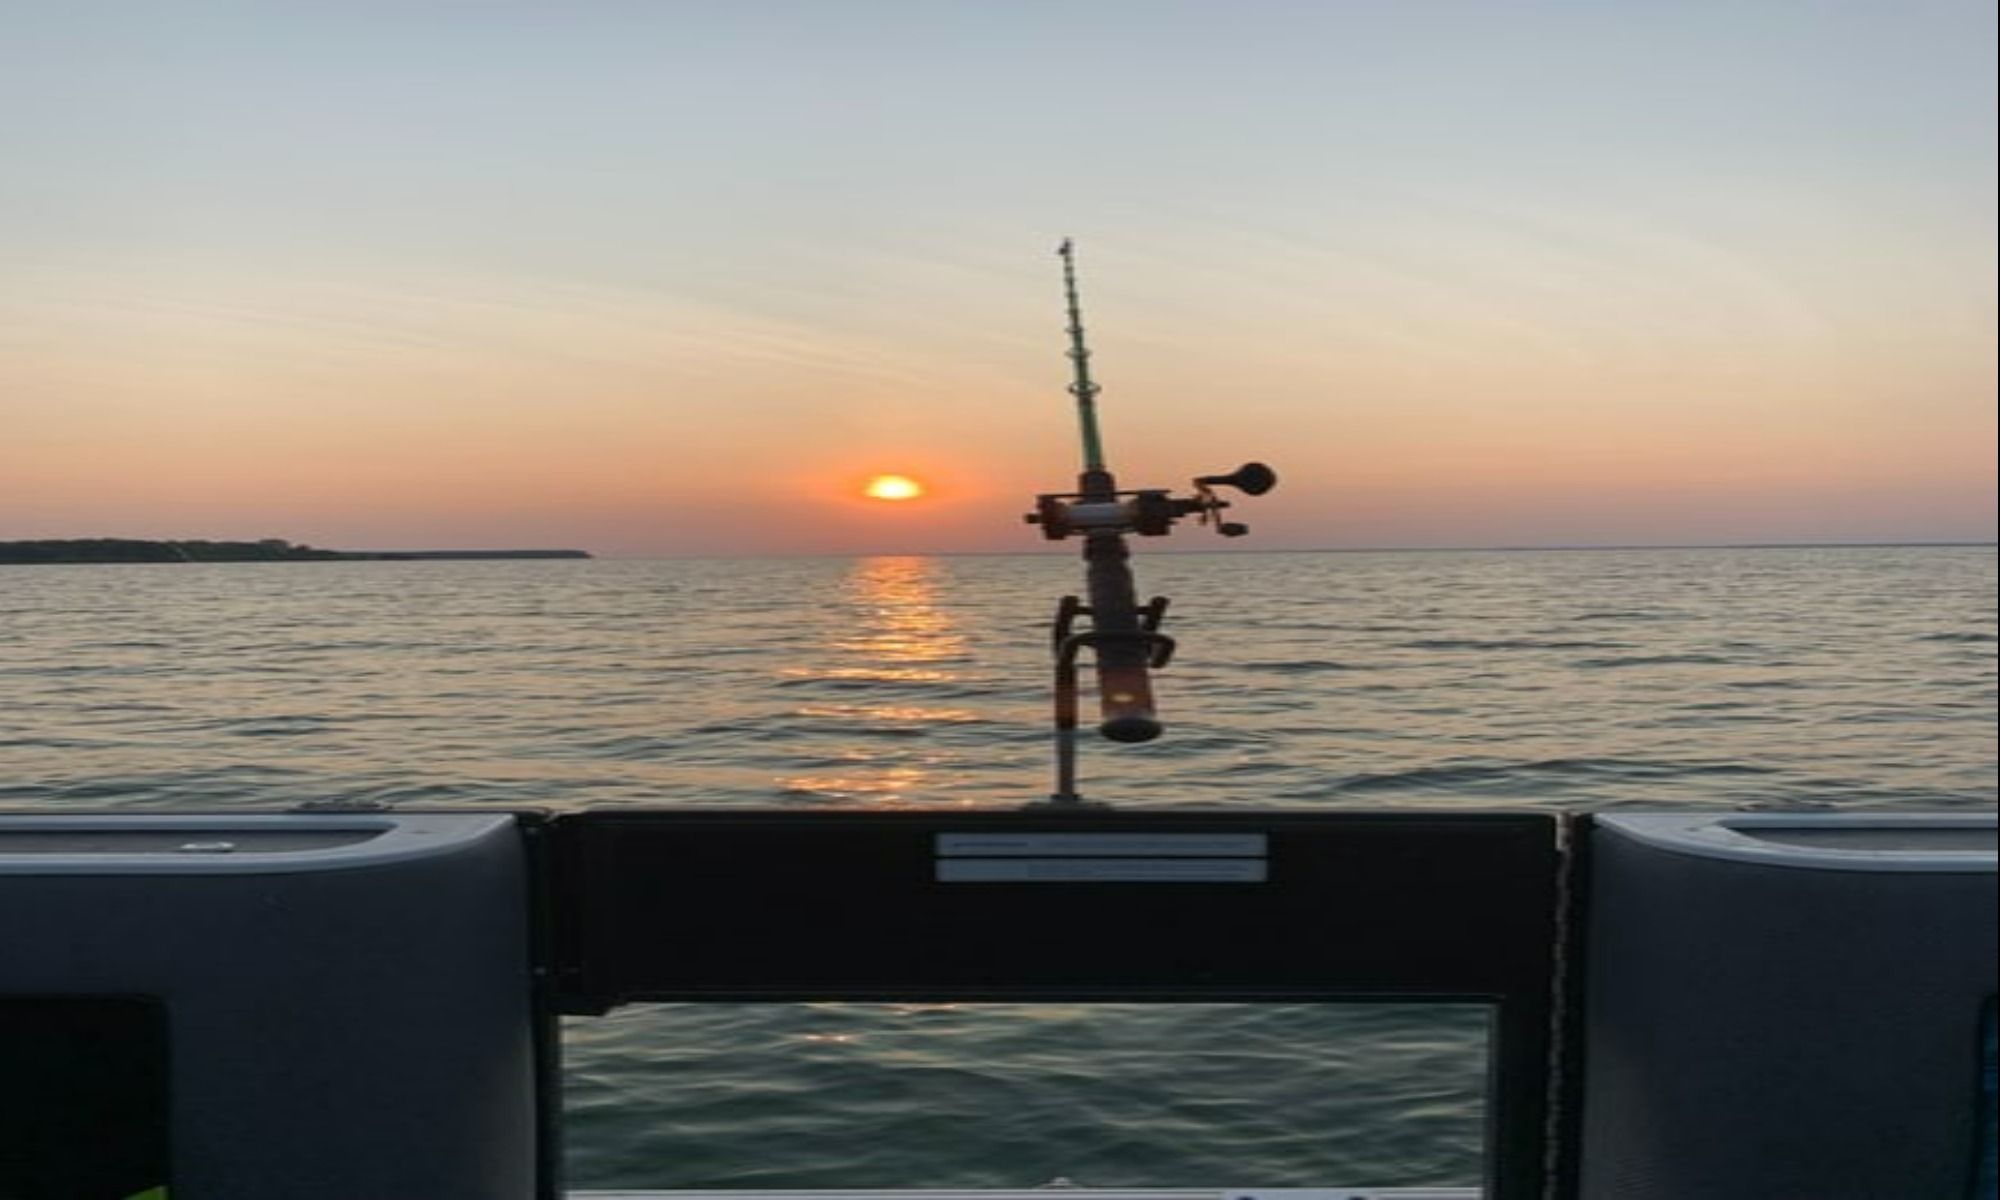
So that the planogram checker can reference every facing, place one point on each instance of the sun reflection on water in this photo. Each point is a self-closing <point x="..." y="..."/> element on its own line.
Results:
<point x="872" y="674"/>
<point x="900" y="620"/>
<point x="889" y="713"/>
<point x="896" y="633"/>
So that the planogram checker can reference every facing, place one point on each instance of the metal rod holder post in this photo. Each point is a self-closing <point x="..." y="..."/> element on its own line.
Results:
<point x="1124" y="635"/>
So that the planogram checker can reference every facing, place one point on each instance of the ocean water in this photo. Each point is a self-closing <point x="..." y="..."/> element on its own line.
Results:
<point x="1845" y="678"/>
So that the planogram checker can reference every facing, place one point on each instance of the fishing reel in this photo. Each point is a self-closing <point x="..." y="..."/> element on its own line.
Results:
<point x="1148" y="512"/>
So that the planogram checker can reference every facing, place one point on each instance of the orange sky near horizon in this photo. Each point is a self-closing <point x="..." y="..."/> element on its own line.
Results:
<point x="624" y="428"/>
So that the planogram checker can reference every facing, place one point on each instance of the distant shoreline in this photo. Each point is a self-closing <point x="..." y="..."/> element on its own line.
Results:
<point x="75" y="551"/>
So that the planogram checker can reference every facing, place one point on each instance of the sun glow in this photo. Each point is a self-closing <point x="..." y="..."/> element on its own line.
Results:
<point x="893" y="487"/>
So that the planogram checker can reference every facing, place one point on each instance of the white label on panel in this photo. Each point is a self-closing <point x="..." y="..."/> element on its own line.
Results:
<point x="1101" y="845"/>
<point x="1102" y="870"/>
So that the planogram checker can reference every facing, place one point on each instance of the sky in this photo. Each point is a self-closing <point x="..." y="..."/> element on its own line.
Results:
<point x="658" y="277"/>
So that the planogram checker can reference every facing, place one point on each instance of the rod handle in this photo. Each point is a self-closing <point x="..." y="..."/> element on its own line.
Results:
<point x="1125" y="696"/>
<point x="1124" y="681"/>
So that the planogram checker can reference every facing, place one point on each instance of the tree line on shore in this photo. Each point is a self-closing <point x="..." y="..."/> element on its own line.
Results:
<point x="90" y="550"/>
<point x="141" y="550"/>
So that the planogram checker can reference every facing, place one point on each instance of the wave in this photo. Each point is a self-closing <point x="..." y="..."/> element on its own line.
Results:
<point x="1652" y="660"/>
<point x="1510" y="644"/>
<point x="286" y="726"/>
<point x="1286" y="666"/>
<point x="1515" y="775"/>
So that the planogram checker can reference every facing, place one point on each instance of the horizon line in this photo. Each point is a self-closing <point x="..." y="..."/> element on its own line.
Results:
<point x="1552" y="548"/>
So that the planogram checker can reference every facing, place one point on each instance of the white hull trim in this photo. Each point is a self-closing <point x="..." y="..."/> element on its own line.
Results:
<point x="1045" y="1193"/>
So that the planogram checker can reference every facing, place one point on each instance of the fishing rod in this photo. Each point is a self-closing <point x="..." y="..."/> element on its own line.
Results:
<point x="1123" y="634"/>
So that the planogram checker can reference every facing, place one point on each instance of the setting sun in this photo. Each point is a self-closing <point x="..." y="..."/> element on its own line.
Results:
<point x="893" y="487"/>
